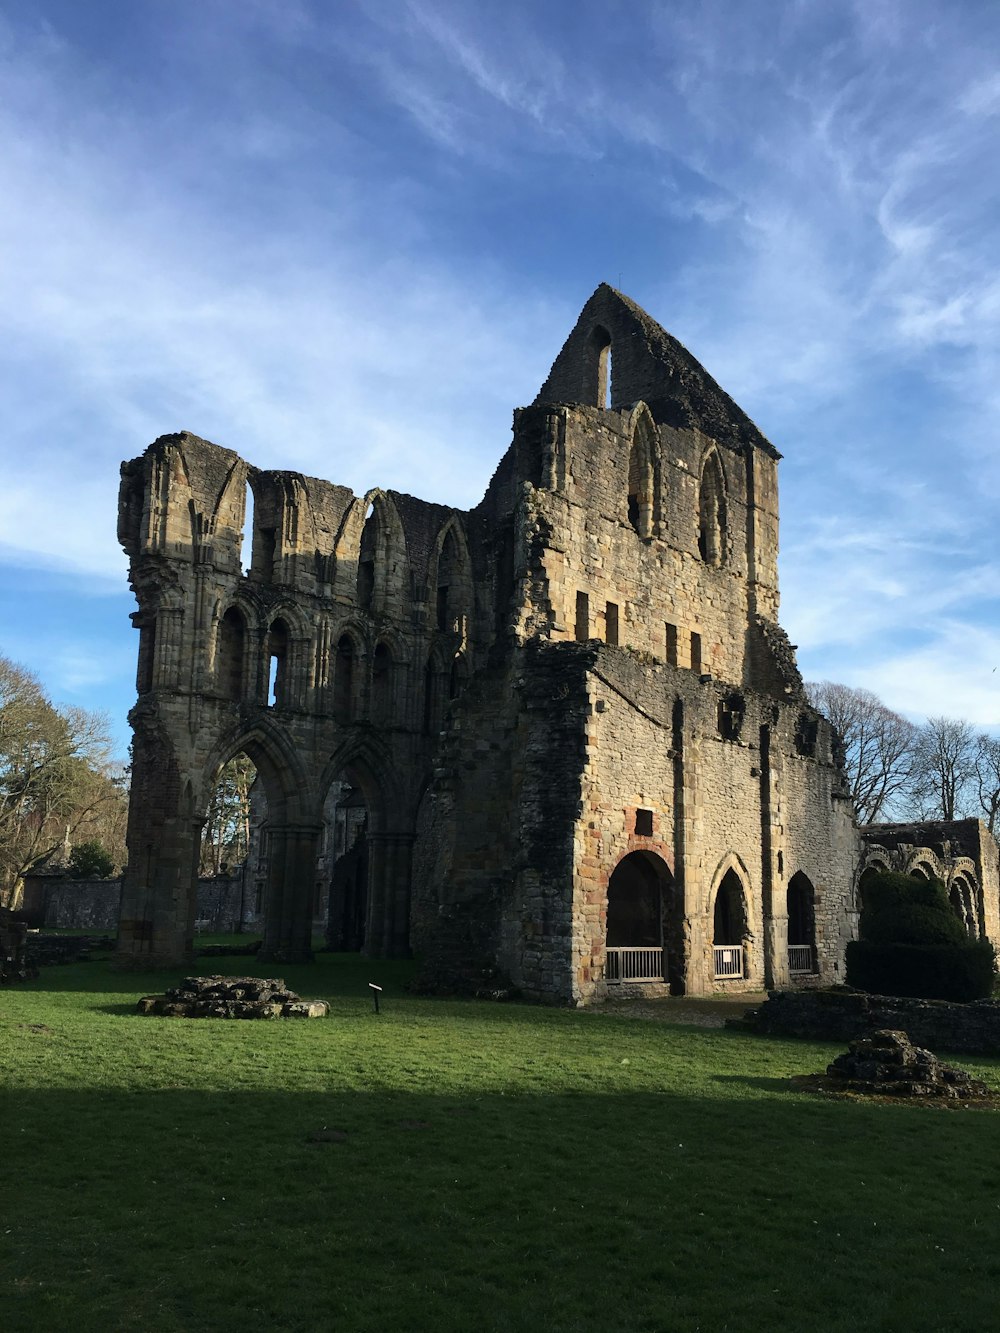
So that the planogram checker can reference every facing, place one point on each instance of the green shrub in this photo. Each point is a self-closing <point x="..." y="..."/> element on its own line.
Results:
<point x="888" y="891"/>
<point x="923" y="971"/>
<point x="914" y="923"/>
<point x="90" y="860"/>
<point x="912" y="943"/>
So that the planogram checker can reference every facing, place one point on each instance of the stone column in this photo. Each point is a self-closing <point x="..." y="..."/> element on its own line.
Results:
<point x="291" y="879"/>
<point x="773" y="898"/>
<point x="388" y="932"/>
<point x="159" y="886"/>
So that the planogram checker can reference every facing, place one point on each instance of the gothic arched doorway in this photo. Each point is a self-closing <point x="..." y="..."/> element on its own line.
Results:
<point x="643" y="939"/>
<point x="730" y="928"/>
<point x="801" y="925"/>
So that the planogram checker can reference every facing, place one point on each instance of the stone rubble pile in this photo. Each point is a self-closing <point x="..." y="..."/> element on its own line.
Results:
<point x="232" y="997"/>
<point x="888" y="1064"/>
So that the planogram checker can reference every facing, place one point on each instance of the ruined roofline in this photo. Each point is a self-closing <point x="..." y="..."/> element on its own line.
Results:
<point x="648" y="365"/>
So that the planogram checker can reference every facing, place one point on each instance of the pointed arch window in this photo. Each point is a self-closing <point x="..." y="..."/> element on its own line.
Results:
<point x="370" y="536"/>
<point x="641" y="484"/>
<point x="277" y="664"/>
<point x="801" y="924"/>
<point x="712" y="511"/>
<point x="229" y="654"/>
<point x="447" y="580"/>
<point x="343" y="680"/>
<point x="599" y="366"/>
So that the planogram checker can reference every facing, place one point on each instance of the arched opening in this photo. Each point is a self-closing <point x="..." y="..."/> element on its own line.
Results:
<point x="366" y="909"/>
<point x="730" y="929"/>
<point x="277" y="664"/>
<point x="921" y="872"/>
<point x="447" y="573"/>
<point x="453" y="587"/>
<point x="367" y="555"/>
<point x="344" y="866"/>
<point x="641" y="487"/>
<point x="867" y="875"/>
<point x="963" y="904"/>
<point x="382" y="686"/>
<point x="643" y="942"/>
<point x="712" y="511"/>
<point x="599" y="366"/>
<point x="232" y="870"/>
<point x="246" y="537"/>
<point x="343" y="680"/>
<point x="229" y="654"/>
<point x="801" y="925"/>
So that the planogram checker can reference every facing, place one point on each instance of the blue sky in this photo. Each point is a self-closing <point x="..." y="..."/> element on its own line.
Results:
<point x="349" y="238"/>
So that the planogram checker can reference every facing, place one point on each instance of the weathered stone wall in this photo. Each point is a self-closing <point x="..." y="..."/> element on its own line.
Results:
<point x="840" y="1015"/>
<point x="94" y="904"/>
<point x="71" y="904"/>
<point x="507" y="687"/>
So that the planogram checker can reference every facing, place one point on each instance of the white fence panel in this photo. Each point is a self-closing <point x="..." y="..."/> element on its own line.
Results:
<point x="728" y="961"/>
<point x="634" y="963"/>
<point x="800" y="958"/>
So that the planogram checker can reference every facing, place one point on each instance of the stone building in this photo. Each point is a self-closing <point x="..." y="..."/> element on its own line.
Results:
<point x="961" y="853"/>
<point x="577" y="730"/>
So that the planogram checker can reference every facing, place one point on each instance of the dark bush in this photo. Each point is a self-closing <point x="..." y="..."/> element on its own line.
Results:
<point x="914" y="923"/>
<point x="913" y="944"/>
<point x="888" y="891"/>
<point x="90" y="860"/>
<point x="924" y="971"/>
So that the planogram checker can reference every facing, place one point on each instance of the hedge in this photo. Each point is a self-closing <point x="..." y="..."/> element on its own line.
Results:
<point x="922" y="971"/>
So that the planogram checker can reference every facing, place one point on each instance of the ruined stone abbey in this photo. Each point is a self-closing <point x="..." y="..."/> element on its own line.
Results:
<point x="577" y="731"/>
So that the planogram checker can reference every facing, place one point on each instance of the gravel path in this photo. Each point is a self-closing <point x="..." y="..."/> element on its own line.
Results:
<point x="703" y="1012"/>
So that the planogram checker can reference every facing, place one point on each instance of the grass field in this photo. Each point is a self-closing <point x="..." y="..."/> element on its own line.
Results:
<point x="477" y="1167"/>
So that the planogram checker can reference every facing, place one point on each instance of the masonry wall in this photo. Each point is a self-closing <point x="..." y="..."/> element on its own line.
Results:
<point x="506" y="686"/>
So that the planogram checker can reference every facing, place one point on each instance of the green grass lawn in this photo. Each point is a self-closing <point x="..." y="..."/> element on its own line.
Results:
<point x="484" y="1168"/>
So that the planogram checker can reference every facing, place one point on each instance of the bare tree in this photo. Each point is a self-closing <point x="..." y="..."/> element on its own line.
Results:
<point x="877" y="743"/>
<point x="55" y="776"/>
<point x="944" y="768"/>
<point x="988" y="779"/>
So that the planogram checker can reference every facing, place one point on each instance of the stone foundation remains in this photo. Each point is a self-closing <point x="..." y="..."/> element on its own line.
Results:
<point x="886" y="1064"/>
<point x="232" y="997"/>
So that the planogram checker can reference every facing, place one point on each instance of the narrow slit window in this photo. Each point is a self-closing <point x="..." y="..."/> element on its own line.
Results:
<point x="671" y="645"/>
<point x="582" y="617"/>
<point x="695" y="651"/>
<point x="611" y="624"/>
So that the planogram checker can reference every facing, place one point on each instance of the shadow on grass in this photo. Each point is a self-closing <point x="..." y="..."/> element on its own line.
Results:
<point x="751" y="1081"/>
<point x="174" y="1210"/>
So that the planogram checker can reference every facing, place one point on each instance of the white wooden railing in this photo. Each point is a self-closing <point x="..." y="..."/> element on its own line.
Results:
<point x="800" y="958"/>
<point x="643" y="963"/>
<point x="728" y="961"/>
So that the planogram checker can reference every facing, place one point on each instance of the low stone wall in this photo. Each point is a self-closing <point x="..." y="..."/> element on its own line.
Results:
<point x="53" y="902"/>
<point x="842" y="1014"/>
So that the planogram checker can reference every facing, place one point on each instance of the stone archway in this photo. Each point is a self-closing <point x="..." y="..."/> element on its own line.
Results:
<point x="643" y="936"/>
<point x="801" y="900"/>
<point x="730" y="928"/>
<point x="372" y="889"/>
